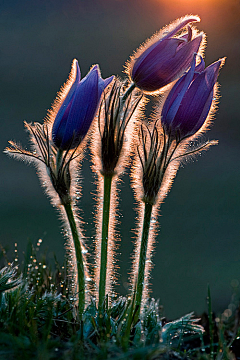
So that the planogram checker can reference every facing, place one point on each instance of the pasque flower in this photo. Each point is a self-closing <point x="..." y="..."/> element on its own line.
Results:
<point x="55" y="144"/>
<point x="164" y="58"/>
<point x="160" y="152"/>
<point x="78" y="109"/>
<point x="189" y="101"/>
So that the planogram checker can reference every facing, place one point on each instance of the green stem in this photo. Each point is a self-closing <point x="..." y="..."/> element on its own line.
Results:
<point x="210" y="320"/>
<point x="104" y="244"/>
<point x="79" y="258"/>
<point x="142" y="256"/>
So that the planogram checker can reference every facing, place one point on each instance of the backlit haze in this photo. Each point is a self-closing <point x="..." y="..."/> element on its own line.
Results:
<point x="198" y="242"/>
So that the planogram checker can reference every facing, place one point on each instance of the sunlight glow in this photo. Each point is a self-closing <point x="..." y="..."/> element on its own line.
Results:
<point x="189" y="2"/>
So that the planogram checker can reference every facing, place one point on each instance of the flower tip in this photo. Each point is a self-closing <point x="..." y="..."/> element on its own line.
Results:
<point x="96" y="68"/>
<point x="94" y="74"/>
<point x="108" y="81"/>
<point x="216" y="66"/>
<point x="222" y="61"/>
<point x="180" y="24"/>
<point x="201" y="65"/>
<point x="74" y="62"/>
<point x="196" y="18"/>
<point x="190" y="18"/>
<point x="76" y="70"/>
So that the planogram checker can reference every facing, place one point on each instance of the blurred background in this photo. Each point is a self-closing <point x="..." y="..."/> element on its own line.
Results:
<point x="199" y="238"/>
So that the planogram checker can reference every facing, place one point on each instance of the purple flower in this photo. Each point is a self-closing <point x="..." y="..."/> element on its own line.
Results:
<point x="158" y="63"/>
<point x="79" y="107"/>
<point x="189" y="101"/>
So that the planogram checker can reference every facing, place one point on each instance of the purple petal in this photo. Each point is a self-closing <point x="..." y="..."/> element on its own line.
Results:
<point x="83" y="107"/>
<point x="170" y="34"/>
<point x="94" y="71"/>
<point x="195" y="99"/>
<point x="107" y="81"/>
<point x="192" y="103"/>
<point x="187" y="37"/>
<point x="204" y="114"/>
<point x="74" y="84"/>
<point x="75" y="117"/>
<point x="176" y="95"/>
<point x="72" y="89"/>
<point x="182" y="59"/>
<point x="59" y="124"/>
<point x="149" y="63"/>
<point x="181" y="25"/>
<point x="201" y="66"/>
<point x="212" y="71"/>
<point x="102" y="83"/>
<point x="166" y="66"/>
<point x="150" y="75"/>
<point x="156" y="48"/>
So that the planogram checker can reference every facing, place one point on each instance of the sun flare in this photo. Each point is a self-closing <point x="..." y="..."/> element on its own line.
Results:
<point x="189" y="2"/>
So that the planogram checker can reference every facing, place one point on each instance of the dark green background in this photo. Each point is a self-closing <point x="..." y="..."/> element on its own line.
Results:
<point x="199" y="238"/>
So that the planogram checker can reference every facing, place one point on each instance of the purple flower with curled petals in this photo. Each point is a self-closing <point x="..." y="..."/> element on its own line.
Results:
<point x="189" y="101"/>
<point x="158" y="63"/>
<point x="79" y="107"/>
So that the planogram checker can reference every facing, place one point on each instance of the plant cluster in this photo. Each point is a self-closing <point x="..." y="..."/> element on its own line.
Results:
<point x="38" y="319"/>
<point x="110" y="113"/>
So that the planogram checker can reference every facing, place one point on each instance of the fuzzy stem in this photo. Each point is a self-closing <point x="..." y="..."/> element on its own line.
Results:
<point x="104" y="244"/>
<point x="142" y="256"/>
<point x="79" y="257"/>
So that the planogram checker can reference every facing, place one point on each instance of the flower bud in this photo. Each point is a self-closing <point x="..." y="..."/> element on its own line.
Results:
<point x="113" y="121"/>
<point x="189" y="101"/>
<point x="164" y="58"/>
<point x="78" y="109"/>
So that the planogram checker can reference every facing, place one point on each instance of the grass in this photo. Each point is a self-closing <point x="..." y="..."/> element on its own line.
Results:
<point x="39" y="320"/>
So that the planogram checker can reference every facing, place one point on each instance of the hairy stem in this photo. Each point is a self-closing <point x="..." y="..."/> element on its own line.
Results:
<point x="79" y="258"/>
<point x="104" y="244"/>
<point x="142" y="256"/>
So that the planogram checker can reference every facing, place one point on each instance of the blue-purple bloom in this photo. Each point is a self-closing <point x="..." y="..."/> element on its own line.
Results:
<point x="157" y="65"/>
<point x="79" y="107"/>
<point x="189" y="101"/>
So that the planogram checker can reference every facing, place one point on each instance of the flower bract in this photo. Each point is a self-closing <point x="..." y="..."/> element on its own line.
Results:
<point x="78" y="109"/>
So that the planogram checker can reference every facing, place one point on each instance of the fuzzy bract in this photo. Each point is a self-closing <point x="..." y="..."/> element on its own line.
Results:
<point x="164" y="60"/>
<point x="78" y="109"/>
<point x="189" y="101"/>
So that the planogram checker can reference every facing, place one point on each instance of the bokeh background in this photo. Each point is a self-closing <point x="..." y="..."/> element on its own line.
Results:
<point x="199" y="239"/>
